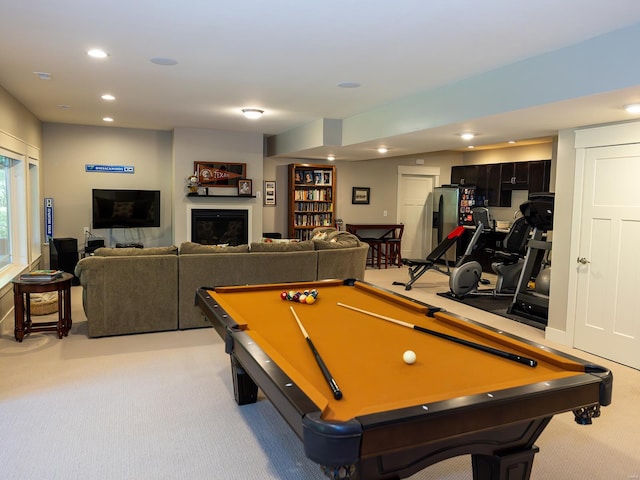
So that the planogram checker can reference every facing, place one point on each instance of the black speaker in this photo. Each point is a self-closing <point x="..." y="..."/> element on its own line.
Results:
<point x="93" y="245"/>
<point x="63" y="255"/>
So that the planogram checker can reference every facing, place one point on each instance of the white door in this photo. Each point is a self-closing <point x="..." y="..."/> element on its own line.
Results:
<point x="608" y="263"/>
<point x="415" y="195"/>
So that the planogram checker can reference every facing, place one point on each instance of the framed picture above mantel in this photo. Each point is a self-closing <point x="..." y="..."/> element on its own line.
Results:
<point x="219" y="174"/>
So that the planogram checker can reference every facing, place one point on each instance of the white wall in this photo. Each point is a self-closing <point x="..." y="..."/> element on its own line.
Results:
<point x="379" y="175"/>
<point x="69" y="148"/>
<point x="201" y="145"/>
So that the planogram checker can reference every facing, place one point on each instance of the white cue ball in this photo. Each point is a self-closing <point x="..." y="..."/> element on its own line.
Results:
<point x="409" y="357"/>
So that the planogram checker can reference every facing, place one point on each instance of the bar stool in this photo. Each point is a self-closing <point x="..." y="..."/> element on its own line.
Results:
<point x="376" y="245"/>
<point x="393" y="248"/>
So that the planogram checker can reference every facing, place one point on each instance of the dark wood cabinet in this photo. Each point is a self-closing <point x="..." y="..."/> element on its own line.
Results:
<point x="515" y="176"/>
<point x="464" y="175"/>
<point x="539" y="176"/>
<point x="492" y="194"/>
<point x="496" y="181"/>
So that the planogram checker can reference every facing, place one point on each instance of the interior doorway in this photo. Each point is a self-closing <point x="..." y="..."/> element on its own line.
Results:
<point x="607" y="260"/>
<point x="415" y="208"/>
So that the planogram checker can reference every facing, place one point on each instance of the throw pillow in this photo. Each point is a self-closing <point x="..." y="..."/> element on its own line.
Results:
<point x="337" y="240"/>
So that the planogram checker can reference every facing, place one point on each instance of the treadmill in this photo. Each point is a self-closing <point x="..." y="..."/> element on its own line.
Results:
<point x="527" y="303"/>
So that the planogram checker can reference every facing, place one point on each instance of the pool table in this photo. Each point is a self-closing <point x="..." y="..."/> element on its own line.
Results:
<point x="395" y="418"/>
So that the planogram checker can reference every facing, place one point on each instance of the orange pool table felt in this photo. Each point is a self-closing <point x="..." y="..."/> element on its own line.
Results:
<point x="364" y="353"/>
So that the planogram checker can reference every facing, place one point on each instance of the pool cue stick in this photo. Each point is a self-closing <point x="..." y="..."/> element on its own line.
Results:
<point x="337" y="394"/>
<point x="494" y="351"/>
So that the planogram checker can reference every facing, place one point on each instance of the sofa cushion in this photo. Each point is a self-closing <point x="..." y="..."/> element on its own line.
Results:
<point x="191" y="248"/>
<point x="336" y="240"/>
<point x="130" y="252"/>
<point x="321" y="233"/>
<point x="282" y="246"/>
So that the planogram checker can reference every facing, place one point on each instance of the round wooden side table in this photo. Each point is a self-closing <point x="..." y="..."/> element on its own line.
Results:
<point x="22" y="306"/>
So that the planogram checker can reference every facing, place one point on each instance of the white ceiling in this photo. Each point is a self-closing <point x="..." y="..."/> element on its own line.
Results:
<point x="288" y="56"/>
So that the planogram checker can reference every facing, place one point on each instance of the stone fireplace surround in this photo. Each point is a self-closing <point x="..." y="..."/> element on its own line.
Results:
<point x="219" y="224"/>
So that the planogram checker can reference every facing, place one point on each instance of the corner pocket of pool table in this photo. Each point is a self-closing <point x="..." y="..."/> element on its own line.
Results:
<point x="331" y="443"/>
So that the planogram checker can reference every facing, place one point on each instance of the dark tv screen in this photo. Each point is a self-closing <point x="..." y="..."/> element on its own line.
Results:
<point x="125" y="208"/>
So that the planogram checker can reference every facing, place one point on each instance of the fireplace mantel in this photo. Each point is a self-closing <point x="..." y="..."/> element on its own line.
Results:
<point x="219" y="196"/>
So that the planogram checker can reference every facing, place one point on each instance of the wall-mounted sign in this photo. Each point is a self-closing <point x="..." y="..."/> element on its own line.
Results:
<point x="48" y="218"/>
<point x="109" y="168"/>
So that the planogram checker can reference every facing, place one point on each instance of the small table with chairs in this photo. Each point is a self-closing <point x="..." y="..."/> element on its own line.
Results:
<point x="384" y="240"/>
<point x="22" y="291"/>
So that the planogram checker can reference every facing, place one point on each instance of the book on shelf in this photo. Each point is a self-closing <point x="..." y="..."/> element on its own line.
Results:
<point x="41" y="275"/>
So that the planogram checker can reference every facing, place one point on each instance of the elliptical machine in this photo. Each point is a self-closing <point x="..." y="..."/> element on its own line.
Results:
<point x="467" y="273"/>
<point x="508" y="264"/>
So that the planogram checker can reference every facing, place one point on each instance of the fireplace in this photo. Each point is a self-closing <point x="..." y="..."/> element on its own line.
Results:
<point x="219" y="226"/>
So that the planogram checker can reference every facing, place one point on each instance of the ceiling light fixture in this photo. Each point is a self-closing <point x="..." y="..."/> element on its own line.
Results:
<point x="165" y="62"/>
<point x="107" y="119"/>
<point x="97" y="53"/>
<point x="331" y="158"/>
<point x="467" y="135"/>
<point x="43" y="75"/>
<point x="108" y="97"/>
<point x="512" y="141"/>
<point x="349" y="85"/>
<point x="252" y="113"/>
<point x="383" y="150"/>
<point x="633" y="108"/>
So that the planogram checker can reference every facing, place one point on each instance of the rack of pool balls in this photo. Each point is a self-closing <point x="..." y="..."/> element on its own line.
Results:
<point x="308" y="296"/>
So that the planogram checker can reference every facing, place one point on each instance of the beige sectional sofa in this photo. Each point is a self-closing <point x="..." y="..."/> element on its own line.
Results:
<point x="132" y="290"/>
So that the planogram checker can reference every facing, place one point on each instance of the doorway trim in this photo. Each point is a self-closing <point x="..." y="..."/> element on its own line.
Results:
<point x="418" y="171"/>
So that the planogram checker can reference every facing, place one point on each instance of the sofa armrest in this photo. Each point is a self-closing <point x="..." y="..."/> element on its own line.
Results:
<point x="342" y="262"/>
<point x="123" y="295"/>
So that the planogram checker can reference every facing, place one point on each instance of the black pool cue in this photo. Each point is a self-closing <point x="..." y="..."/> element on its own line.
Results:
<point x="337" y="394"/>
<point x="478" y="346"/>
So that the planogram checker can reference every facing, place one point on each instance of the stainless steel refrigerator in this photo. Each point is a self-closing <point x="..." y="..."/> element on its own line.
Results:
<point x="452" y="206"/>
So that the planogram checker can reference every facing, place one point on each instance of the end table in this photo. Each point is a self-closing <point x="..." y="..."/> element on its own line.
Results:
<point x="22" y="306"/>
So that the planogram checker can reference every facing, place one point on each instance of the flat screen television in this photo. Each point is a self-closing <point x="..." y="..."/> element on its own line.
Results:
<point x="125" y="208"/>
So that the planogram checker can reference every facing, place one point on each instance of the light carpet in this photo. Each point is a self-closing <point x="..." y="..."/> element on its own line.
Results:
<point x="160" y="406"/>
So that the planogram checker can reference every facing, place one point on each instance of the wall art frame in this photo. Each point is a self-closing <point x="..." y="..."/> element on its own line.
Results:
<point x="360" y="195"/>
<point x="270" y="192"/>
<point x="245" y="187"/>
<point x="219" y="174"/>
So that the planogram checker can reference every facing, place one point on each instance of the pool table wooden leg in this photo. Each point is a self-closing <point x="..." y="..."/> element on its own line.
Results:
<point x="245" y="389"/>
<point x="512" y="466"/>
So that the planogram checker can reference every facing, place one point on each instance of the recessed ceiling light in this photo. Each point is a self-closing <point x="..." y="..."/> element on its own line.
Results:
<point x="633" y="108"/>
<point x="107" y="119"/>
<point x="471" y="146"/>
<point x="348" y="84"/>
<point x="383" y="150"/>
<point x="331" y="158"/>
<point x="97" y="53"/>
<point x="167" y="62"/>
<point x="108" y="97"/>
<point x="467" y="135"/>
<point x="252" y="113"/>
<point x="511" y="141"/>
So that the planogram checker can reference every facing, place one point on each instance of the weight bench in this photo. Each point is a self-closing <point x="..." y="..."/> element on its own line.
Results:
<point x="418" y="266"/>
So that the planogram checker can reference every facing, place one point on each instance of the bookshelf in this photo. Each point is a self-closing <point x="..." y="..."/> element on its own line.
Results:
<point x="312" y="198"/>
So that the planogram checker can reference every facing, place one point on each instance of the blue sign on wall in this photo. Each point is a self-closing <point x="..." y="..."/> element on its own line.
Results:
<point x="109" y="168"/>
<point x="48" y="218"/>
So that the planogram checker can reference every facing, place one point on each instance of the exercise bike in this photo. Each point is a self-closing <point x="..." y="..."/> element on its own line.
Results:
<point x="467" y="275"/>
